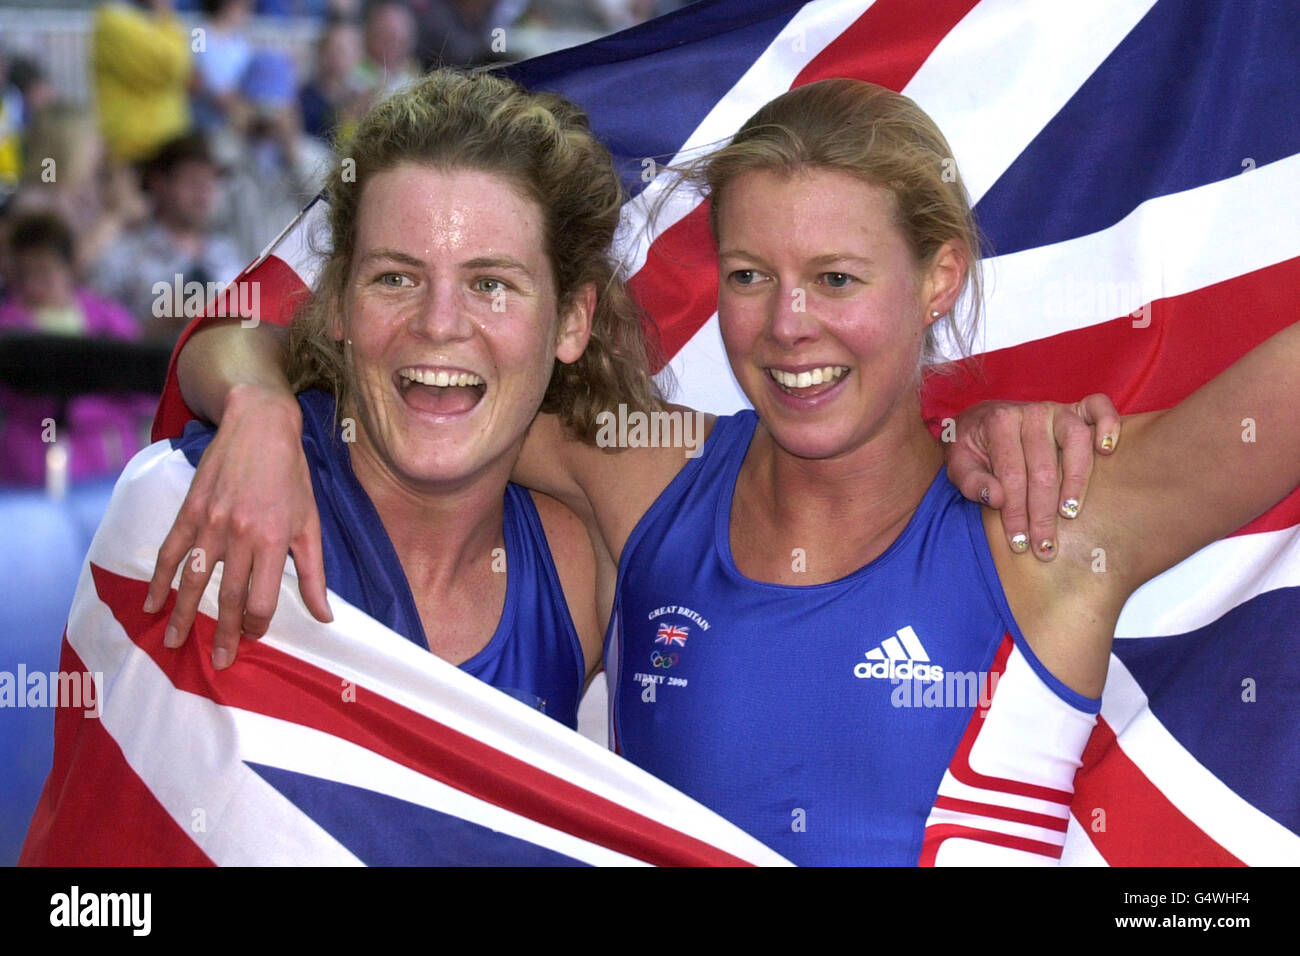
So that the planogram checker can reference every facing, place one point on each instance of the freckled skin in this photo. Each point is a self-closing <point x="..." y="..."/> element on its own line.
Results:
<point x="866" y="310"/>
<point x="420" y="294"/>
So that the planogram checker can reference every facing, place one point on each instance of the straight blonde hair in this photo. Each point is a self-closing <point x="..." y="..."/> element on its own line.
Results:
<point x="885" y="139"/>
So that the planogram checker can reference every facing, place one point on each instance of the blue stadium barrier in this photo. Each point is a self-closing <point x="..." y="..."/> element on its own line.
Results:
<point x="44" y="545"/>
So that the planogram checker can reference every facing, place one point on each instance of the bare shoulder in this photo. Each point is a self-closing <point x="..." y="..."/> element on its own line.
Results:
<point x="575" y="562"/>
<point x="1066" y="609"/>
<point x="614" y="481"/>
<point x="1180" y="479"/>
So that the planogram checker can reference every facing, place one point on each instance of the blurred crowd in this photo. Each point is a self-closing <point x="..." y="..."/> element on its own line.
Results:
<point x="198" y="149"/>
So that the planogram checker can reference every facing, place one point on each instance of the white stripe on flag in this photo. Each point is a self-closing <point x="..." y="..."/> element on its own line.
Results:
<point x="950" y="786"/>
<point x="1079" y="850"/>
<point x="188" y="757"/>
<point x="301" y="244"/>
<point x="1244" y="831"/>
<point x="809" y="32"/>
<point x="700" y="375"/>
<point x="1167" y="246"/>
<point x="941" y="816"/>
<point x="1003" y="72"/>
<point x="959" y="852"/>
<point x="1199" y="591"/>
<point x="293" y="747"/>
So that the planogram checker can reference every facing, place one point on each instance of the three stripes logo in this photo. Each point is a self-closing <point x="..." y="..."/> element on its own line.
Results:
<point x="900" y="657"/>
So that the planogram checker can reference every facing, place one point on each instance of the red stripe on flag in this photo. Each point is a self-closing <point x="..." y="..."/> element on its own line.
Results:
<point x="677" y="286"/>
<point x="934" y="837"/>
<point x="960" y="766"/>
<point x="279" y="290"/>
<point x="271" y="682"/>
<point x="81" y="817"/>
<point x="888" y="43"/>
<point x="1001" y="813"/>
<point x="1192" y="338"/>
<point x="1140" y="826"/>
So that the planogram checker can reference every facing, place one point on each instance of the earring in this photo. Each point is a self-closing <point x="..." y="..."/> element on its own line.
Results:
<point x="934" y="315"/>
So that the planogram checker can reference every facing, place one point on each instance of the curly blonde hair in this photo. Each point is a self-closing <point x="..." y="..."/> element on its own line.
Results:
<point x="879" y="136"/>
<point x="542" y="143"/>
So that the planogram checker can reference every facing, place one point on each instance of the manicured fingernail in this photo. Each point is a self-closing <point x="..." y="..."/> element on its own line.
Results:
<point x="172" y="637"/>
<point x="1107" y="442"/>
<point x="1020" y="543"/>
<point x="1070" y="507"/>
<point x="1046" y="548"/>
<point x="220" y="658"/>
<point x="150" y="605"/>
<point x="984" y="494"/>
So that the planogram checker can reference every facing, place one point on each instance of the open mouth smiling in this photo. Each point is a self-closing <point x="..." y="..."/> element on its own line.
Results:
<point x="440" y="391"/>
<point x="808" y="382"/>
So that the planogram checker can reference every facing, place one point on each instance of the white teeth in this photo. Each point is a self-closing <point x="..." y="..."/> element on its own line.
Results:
<point x="817" y="376"/>
<point x="440" y="379"/>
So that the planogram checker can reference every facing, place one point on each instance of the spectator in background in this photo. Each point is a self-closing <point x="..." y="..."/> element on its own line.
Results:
<point x="178" y="239"/>
<point x="334" y="99"/>
<point x="273" y="168"/>
<point x="459" y="32"/>
<point x="222" y="53"/>
<point x="27" y="77"/>
<point x="292" y="8"/>
<point x="140" y="58"/>
<point x="274" y="8"/>
<point x="389" y="62"/>
<point x="12" y="119"/>
<point x="101" y="433"/>
<point x="68" y="173"/>
<point x="11" y="143"/>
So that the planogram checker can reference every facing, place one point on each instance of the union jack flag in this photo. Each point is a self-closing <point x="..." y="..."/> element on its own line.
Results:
<point x="671" y="634"/>
<point x="328" y="744"/>
<point x="1133" y="165"/>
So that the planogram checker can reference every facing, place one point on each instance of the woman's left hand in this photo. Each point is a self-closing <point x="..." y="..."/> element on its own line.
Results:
<point x="1032" y="462"/>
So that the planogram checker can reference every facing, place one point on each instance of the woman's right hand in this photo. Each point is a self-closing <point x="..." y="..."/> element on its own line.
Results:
<point x="250" y="503"/>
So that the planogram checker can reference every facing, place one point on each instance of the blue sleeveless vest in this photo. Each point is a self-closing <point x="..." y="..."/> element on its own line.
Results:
<point x="534" y="655"/>
<point x="823" y="719"/>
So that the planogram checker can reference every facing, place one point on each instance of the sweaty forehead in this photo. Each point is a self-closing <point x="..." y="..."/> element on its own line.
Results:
<point x="806" y="213"/>
<point x="428" y="211"/>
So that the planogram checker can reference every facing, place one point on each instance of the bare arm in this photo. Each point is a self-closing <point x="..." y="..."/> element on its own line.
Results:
<point x="222" y="357"/>
<point x="1217" y="460"/>
<point x="252" y="501"/>
<point x="1188" y="476"/>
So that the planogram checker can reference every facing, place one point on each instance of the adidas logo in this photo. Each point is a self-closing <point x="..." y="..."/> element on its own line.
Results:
<point x="900" y="657"/>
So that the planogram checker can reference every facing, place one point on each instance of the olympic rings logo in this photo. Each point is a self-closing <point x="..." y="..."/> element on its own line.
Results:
<point x="665" y="661"/>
